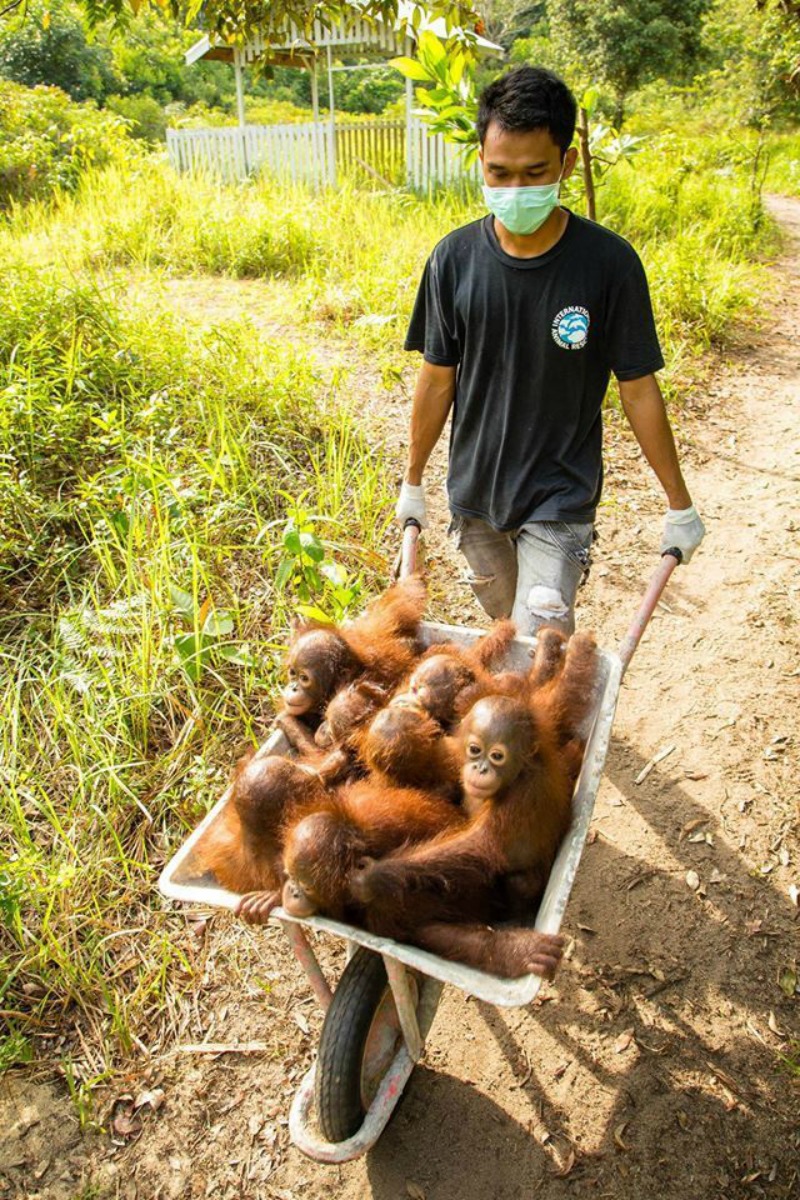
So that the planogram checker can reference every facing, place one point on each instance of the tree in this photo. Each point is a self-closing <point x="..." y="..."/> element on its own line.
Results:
<point x="49" y="46"/>
<point x="235" y="19"/>
<point x="506" y="21"/>
<point x="627" y="45"/>
<point x="753" y="60"/>
<point x="780" y="37"/>
<point x="148" y="56"/>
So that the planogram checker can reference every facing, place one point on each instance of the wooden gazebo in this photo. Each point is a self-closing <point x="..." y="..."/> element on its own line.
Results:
<point x="309" y="150"/>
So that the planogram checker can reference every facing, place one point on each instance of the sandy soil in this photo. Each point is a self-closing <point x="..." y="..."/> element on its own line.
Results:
<point x="655" y="1065"/>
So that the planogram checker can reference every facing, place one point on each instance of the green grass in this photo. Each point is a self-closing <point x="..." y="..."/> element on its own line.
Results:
<point x="784" y="166"/>
<point x="354" y="258"/>
<point x="147" y="469"/>
<point x="790" y="1061"/>
<point x="142" y="466"/>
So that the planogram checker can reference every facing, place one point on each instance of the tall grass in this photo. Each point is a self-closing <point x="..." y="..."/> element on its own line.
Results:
<point x="142" y="466"/>
<point x="784" y="166"/>
<point x="689" y="206"/>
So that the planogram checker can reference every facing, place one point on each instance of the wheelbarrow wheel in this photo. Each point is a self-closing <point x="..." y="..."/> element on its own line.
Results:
<point x="360" y="1037"/>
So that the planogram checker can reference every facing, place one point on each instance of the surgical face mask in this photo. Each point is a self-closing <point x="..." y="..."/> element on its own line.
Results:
<point x="522" y="209"/>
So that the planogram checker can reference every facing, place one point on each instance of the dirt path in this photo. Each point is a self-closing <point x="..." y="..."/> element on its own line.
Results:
<point x="654" y="1065"/>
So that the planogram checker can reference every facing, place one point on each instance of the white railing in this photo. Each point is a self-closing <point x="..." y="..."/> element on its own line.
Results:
<point x="313" y="153"/>
<point x="297" y="152"/>
<point x="432" y="161"/>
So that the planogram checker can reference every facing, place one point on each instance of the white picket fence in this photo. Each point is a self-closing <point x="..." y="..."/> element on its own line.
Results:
<point x="298" y="152"/>
<point x="315" y="153"/>
<point x="434" y="162"/>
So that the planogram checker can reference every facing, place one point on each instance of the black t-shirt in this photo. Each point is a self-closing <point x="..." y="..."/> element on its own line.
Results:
<point x="535" y="341"/>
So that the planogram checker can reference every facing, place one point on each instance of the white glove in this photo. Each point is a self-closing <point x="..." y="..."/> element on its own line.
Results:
<point x="683" y="529"/>
<point x="412" y="504"/>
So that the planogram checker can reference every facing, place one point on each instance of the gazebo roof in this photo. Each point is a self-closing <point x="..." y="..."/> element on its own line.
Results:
<point x="357" y="35"/>
<point x="209" y="48"/>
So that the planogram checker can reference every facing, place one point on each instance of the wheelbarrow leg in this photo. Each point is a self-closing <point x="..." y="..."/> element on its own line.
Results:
<point x="406" y="1008"/>
<point x="308" y="961"/>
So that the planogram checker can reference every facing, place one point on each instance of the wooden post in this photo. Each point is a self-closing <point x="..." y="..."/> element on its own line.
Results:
<point x="317" y="143"/>
<point x="409" y="49"/>
<point x="314" y="89"/>
<point x="586" y="160"/>
<point x="331" y="124"/>
<point x="237" y="70"/>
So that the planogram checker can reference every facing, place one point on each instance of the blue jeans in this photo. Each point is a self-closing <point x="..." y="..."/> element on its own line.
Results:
<point x="531" y="574"/>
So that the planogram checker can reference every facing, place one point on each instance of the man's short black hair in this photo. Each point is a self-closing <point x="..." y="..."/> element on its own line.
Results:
<point x="529" y="98"/>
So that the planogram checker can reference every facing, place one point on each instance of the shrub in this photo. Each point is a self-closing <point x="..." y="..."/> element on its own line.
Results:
<point x="144" y="114"/>
<point x="48" y="141"/>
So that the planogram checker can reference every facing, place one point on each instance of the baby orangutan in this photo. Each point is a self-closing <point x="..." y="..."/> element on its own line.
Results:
<point x="332" y="750"/>
<point x="403" y="745"/>
<point x="243" y="848"/>
<point x="380" y="645"/>
<point x="446" y="671"/>
<point x="323" y="844"/>
<point x="439" y="894"/>
<point x="348" y="711"/>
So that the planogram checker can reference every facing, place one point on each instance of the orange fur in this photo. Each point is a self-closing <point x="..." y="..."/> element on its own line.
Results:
<point x="447" y="671"/>
<point x="425" y="893"/>
<point x="323" y="847"/>
<point x="379" y="646"/>
<point x="243" y="848"/>
<point x="403" y="746"/>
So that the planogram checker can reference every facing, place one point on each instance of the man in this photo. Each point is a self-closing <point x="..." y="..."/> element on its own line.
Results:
<point x="521" y="317"/>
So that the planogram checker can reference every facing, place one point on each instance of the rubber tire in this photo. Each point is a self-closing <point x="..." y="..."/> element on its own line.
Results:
<point x="337" y="1086"/>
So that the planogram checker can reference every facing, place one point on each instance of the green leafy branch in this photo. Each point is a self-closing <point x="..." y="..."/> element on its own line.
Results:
<point x="324" y="589"/>
<point x="600" y="148"/>
<point x="449" y="101"/>
<point x="208" y="642"/>
<point x="607" y="145"/>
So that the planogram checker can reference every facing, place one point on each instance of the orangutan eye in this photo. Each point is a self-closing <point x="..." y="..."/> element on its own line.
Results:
<point x="497" y="756"/>
<point x="474" y="750"/>
<point x="305" y="678"/>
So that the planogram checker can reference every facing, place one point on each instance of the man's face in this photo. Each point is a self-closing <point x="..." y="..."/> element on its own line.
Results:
<point x="513" y="159"/>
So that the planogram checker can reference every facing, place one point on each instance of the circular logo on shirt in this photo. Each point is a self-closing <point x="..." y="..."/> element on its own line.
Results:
<point x="570" y="327"/>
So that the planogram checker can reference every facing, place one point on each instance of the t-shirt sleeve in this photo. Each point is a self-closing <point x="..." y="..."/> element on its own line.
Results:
<point x="631" y="338"/>
<point x="432" y="328"/>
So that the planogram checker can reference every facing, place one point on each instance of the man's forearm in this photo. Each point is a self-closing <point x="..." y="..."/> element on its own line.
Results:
<point x="433" y="399"/>
<point x="643" y="405"/>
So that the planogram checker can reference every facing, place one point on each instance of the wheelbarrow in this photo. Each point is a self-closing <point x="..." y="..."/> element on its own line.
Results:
<point x="377" y="1019"/>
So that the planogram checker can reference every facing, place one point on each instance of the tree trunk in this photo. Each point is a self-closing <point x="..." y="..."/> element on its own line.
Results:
<point x="586" y="160"/>
<point x="619" y="110"/>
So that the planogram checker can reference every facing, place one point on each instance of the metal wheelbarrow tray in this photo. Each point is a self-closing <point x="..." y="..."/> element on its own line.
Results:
<point x="395" y="1039"/>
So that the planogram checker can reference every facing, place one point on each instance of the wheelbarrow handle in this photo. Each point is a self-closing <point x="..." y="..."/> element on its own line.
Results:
<point x="669" y="561"/>
<point x="408" y="553"/>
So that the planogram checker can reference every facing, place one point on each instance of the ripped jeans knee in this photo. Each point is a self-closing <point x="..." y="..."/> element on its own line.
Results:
<point x="547" y="606"/>
<point x="553" y="558"/>
<point x="494" y="594"/>
<point x="531" y="574"/>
